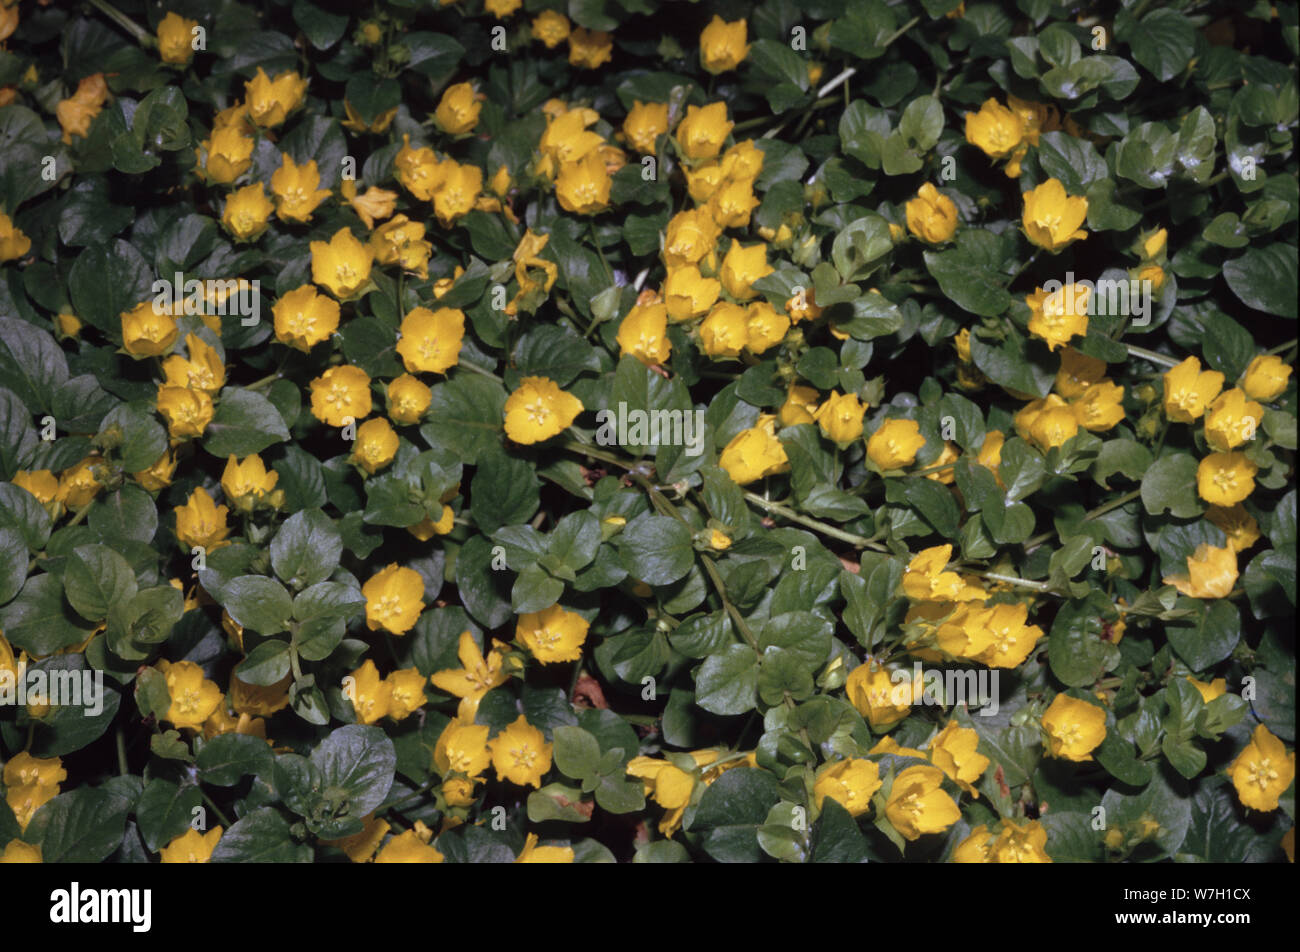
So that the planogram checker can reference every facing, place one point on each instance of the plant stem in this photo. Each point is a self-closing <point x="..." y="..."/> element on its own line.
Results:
<point x="1151" y="355"/>
<point x="138" y="33"/>
<point x="860" y="542"/>
<point x="215" y="809"/>
<point x="121" y="753"/>
<point x="1128" y="497"/>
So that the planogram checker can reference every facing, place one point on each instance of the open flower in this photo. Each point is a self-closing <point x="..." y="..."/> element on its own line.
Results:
<point x="304" y="318"/>
<point x="643" y="334"/>
<point x="191" y="846"/>
<point x="553" y="635"/>
<point x="458" y="109"/>
<point x="1232" y="420"/>
<point x="1211" y="572"/>
<point x="148" y="330"/>
<point x="704" y="130"/>
<point x="1189" y="390"/>
<point x="271" y="100"/>
<point x="583" y="186"/>
<point x="1052" y="219"/>
<point x="850" y="783"/>
<point x="297" y="189"/>
<point x="408" y="399"/>
<point x="917" y="805"/>
<point x="477" y="674"/>
<point x="532" y="853"/>
<point x="462" y="748"/>
<point x="840" y="417"/>
<point x="741" y="267"/>
<point x="551" y="27"/>
<point x="341" y="265"/>
<point x="201" y="522"/>
<point x="1266" y="378"/>
<point x="687" y="293"/>
<point x="188" y="412"/>
<point x="538" y="410"/>
<point x="193" y="697"/>
<point x="201" y="369"/>
<point x="248" y="483"/>
<point x="341" y="395"/>
<point x="644" y="124"/>
<point x="1074" y="728"/>
<point x="995" y="129"/>
<point x="668" y="785"/>
<point x="590" y="49"/>
<point x="953" y="751"/>
<point x="725" y="332"/>
<point x="1262" y="771"/>
<point x="376" y="445"/>
<point x="875" y="694"/>
<point x="1225" y="479"/>
<point x="1059" y="315"/>
<point x="431" y="340"/>
<point x="394" y="599"/>
<point x="520" y="754"/>
<point x="176" y="39"/>
<point x="13" y="243"/>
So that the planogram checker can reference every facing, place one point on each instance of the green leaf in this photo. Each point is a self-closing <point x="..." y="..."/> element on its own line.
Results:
<point x="360" y="761"/>
<point x="306" y="549"/>
<point x="40" y="621"/>
<point x="727" y="681"/>
<point x="1170" y="484"/>
<point x="503" y="491"/>
<point x="1208" y="636"/>
<point x="83" y="825"/>
<point x="228" y="757"/>
<point x="258" y="603"/>
<point x="465" y="416"/>
<point x="656" y="549"/>
<point x="576" y="752"/>
<point x="262" y="836"/>
<point x="165" y="811"/>
<point x="245" y="422"/>
<point x="94" y="578"/>
<point x="1264" y="277"/>
<point x="1164" y="43"/>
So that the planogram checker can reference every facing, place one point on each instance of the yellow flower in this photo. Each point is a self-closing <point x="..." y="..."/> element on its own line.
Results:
<point x="805" y="310"/>
<point x="203" y="368"/>
<point x="1265" y="379"/>
<point x="359" y="847"/>
<point x="840" y="417"/>
<point x="538" y="410"/>
<point x="191" y="846"/>
<point x="76" y="113"/>
<point x="188" y="412"/>
<point x="16" y="851"/>
<point x="732" y="203"/>
<point x="148" y="330"/>
<point x="551" y="27"/>
<point x="341" y="265"/>
<point x="80" y="483"/>
<point x="725" y="332"/>
<point x="668" y="785"/>
<point x="371" y="695"/>
<point x="688" y="294"/>
<point x="644" y="334"/>
<point x="722" y="45"/>
<point x="755" y="453"/>
<point x="689" y="238"/>
<point x="976" y="848"/>
<point x="341" y="395"/>
<point x="644" y="124"/>
<point x="193" y="697"/>
<point x="850" y="783"/>
<point x="304" y="317"/>
<point x="406" y="693"/>
<point x="1225" y="479"/>
<point x="297" y="189"/>
<point x="175" y="39"/>
<point x="895" y="444"/>
<point x="393" y="599"/>
<point x="742" y="267"/>
<point x="457" y="193"/>
<point x="931" y="216"/>
<point x="201" y="522"/>
<point x="590" y="49"/>
<point x="703" y="180"/>
<point x="917" y="805"/>
<point x="1100" y="407"/>
<point x="1211" y="691"/>
<point x="1052" y="219"/>
<point x="248" y="483"/>
<point x="1074" y="728"/>
<point x="376" y="445"/>
<point x="1232" y="420"/>
<point x="41" y="483"/>
<point x="520" y="754"/>
<point x="258" y="700"/>
<point x="13" y="243"/>
<point x="500" y="183"/>
<point x="765" y="327"/>
<point x="1188" y="390"/>
<point x="462" y="748"/>
<point x="553" y="635"/>
<point x="583" y="186"/>
<point x="271" y="100"/>
<point x="229" y="152"/>
<point x="478" y="674"/>
<point x="1211" y="572"/>
<point x="1262" y="771"/>
<point x="887" y="745"/>
<point x="459" y="791"/>
<point x="532" y="853"/>
<point x="419" y="170"/>
<point x="1002" y="629"/>
<point x="408" y="399"/>
<point x="566" y="139"/>
<point x="1237" y="524"/>
<point x="1047" y="422"/>
<point x="953" y="751"/>
<point x="407" y="847"/>
<point x="247" y="212"/>
<point x="701" y="134"/>
<point x="1020" y="844"/>
<point x="535" y="274"/>
<point x="1078" y="372"/>
<point x="431" y="340"/>
<point x="372" y="205"/>
<point x="924" y="579"/>
<point x="877" y="697"/>
<point x="501" y="8"/>
<point x="458" y="109"/>
<point x="995" y="129"/>
<point x="31" y="783"/>
<point x="1057" y="316"/>
<point x="400" y="242"/>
